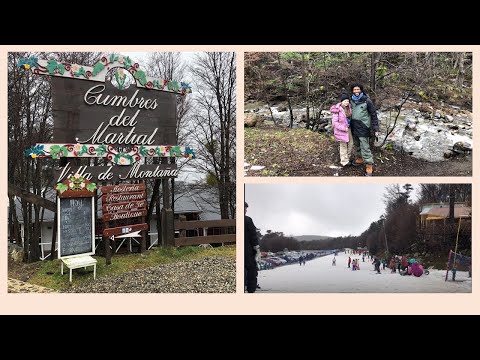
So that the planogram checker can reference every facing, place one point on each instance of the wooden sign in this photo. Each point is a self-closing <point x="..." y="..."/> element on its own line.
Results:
<point x="124" y="206"/>
<point x="122" y="188"/>
<point x="88" y="112"/>
<point x="75" y="228"/>
<point x="127" y="229"/>
<point x="103" y="116"/>
<point x="117" y="173"/>
<point x="124" y="215"/>
<point x="112" y="197"/>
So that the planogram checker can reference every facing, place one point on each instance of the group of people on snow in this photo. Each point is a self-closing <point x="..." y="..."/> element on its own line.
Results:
<point x="404" y="266"/>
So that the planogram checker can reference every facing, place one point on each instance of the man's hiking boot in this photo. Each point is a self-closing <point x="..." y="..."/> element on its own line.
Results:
<point x="357" y="162"/>
<point x="368" y="169"/>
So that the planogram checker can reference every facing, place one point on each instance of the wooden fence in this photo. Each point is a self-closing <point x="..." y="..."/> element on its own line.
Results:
<point x="202" y="226"/>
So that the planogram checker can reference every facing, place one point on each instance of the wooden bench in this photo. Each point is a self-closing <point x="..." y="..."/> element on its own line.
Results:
<point x="79" y="262"/>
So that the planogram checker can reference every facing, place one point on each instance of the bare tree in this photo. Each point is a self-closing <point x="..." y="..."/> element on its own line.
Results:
<point x="254" y="65"/>
<point x="30" y="122"/>
<point x="461" y="69"/>
<point x="435" y="193"/>
<point x="214" y="124"/>
<point x="306" y="81"/>
<point x="374" y="60"/>
<point x="170" y="66"/>
<point x="284" y="75"/>
<point x="414" y="75"/>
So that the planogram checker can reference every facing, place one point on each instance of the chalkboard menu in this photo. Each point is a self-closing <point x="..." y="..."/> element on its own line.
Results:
<point x="76" y="232"/>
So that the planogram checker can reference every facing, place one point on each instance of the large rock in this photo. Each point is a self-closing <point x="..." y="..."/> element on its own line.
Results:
<point x="16" y="252"/>
<point x="460" y="147"/>
<point x="411" y="123"/>
<point x="250" y="119"/>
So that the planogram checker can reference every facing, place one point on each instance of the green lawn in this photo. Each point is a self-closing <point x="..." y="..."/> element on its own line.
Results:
<point x="49" y="274"/>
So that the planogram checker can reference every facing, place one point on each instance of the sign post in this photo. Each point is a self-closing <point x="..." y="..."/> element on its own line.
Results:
<point x="120" y="202"/>
<point x="119" y="113"/>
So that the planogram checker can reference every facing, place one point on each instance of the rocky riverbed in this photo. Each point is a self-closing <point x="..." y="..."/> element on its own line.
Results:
<point x="422" y="131"/>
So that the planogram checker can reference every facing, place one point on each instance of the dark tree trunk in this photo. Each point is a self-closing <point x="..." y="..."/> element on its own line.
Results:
<point x="53" y="251"/>
<point x="291" y="112"/>
<point x="461" y="69"/>
<point x="452" y="203"/>
<point x="306" y="83"/>
<point x="159" y="223"/>
<point x="15" y="226"/>
<point x="153" y="199"/>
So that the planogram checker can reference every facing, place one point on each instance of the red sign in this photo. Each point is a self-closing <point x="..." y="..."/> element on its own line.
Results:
<point x="124" y="206"/>
<point x="124" y="215"/>
<point x="112" y="197"/>
<point x="127" y="229"/>
<point x="123" y="188"/>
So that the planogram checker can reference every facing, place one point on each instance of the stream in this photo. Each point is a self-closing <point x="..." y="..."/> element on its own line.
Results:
<point x="429" y="134"/>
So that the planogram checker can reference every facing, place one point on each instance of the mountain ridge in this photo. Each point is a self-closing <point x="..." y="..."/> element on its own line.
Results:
<point x="312" y="237"/>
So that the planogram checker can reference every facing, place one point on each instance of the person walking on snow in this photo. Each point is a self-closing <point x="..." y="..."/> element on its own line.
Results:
<point x="376" y="262"/>
<point x="349" y="261"/>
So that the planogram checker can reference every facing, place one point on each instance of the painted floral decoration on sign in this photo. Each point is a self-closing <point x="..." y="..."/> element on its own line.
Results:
<point x="56" y="151"/>
<point x="75" y="182"/>
<point x="53" y="67"/>
<point x="35" y="151"/>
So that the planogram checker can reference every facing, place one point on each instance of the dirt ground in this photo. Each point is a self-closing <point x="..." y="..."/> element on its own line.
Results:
<point x="21" y="271"/>
<point x="300" y="152"/>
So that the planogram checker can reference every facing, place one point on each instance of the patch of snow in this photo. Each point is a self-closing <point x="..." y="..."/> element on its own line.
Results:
<point x="257" y="167"/>
<point x="319" y="276"/>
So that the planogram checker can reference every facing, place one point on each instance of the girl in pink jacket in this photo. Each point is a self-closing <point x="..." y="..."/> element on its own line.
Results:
<point x="342" y="113"/>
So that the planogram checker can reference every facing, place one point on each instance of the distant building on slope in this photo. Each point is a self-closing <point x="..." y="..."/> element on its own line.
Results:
<point x="440" y="212"/>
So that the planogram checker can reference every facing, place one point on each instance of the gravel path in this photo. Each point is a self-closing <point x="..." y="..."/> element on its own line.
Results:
<point x="208" y="275"/>
<point x="17" y="286"/>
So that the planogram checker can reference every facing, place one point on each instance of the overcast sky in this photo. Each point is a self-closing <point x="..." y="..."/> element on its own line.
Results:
<point x="141" y="59"/>
<point x="315" y="209"/>
<point x="187" y="174"/>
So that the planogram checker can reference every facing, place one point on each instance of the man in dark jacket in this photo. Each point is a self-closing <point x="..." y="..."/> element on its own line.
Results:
<point x="376" y="262"/>
<point x="364" y="120"/>
<point x="252" y="253"/>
